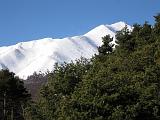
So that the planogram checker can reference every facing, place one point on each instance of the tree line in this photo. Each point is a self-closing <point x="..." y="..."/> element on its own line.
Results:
<point x="116" y="84"/>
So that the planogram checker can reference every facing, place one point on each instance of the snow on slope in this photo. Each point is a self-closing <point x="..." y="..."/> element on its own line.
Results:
<point x="25" y="58"/>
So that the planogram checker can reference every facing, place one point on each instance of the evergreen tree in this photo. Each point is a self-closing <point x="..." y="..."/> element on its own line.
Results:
<point x="123" y="84"/>
<point x="61" y="84"/>
<point x="13" y="96"/>
<point x="107" y="47"/>
<point x="157" y="24"/>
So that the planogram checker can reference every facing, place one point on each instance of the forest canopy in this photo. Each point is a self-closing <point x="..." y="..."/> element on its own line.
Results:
<point x="116" y="84"/>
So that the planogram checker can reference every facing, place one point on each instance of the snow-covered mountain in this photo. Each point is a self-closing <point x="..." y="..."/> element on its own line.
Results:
<point x="25" y="58"/>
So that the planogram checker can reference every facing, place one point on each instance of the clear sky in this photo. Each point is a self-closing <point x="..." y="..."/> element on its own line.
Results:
<point x="24" y="20"/>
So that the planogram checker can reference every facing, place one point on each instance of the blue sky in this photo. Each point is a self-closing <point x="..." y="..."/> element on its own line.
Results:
<point x="24" y="20"/>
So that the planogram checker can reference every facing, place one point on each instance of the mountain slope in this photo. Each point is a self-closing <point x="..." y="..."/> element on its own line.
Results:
<point x="40" y="55"/>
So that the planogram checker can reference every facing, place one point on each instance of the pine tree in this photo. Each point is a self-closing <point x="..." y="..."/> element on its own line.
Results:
<point x="13" y="96"/>
<point x="123" y="84"/>
<point x="107" y="47"/>
<point x="157" y="24"/>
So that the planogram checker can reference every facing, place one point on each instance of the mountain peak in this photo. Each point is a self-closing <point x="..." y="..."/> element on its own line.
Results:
<point x="120" y="24"/>
<point x="25" y="58"/>
<point x="100" y="30"/>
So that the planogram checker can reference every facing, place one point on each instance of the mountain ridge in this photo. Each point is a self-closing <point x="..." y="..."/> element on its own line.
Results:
<point x="40" y="55"/>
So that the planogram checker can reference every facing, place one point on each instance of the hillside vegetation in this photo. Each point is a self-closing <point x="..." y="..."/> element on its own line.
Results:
<point x="120" y="84"/>
<point x="116" y="84"/>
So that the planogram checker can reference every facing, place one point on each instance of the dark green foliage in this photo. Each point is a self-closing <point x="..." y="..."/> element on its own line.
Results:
<point x="124" y="40"/>
<point x="157" y="24"/>
<point x="120" y="84"/>
<point x="61" y="84"/>
<point x="106" y="47"/>
<point x="66" y="77"/>
<point x="13" y="97"/>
